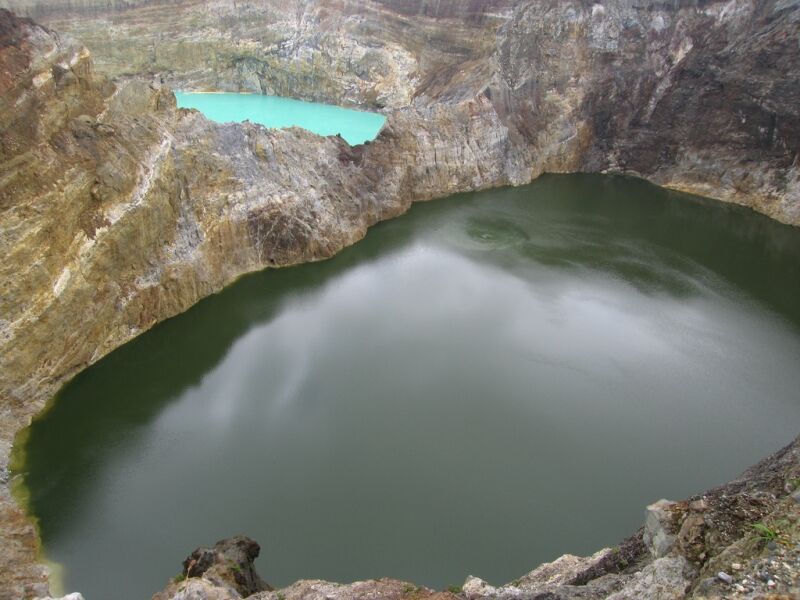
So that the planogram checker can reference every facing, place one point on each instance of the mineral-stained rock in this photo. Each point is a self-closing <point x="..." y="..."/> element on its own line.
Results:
<point x="571" y="570"/>
<point x="118" y="210"/>
<point x="567" y="577"/>
<point x="198" y="589"/>
<point x="697" y="96"/>
<point x="596" y="589"/>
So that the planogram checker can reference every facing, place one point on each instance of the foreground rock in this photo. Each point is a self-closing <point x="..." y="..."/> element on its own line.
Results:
<point x="117" y="210"/>
<point x="224" y="571"/>
<point x="680" y="553"/>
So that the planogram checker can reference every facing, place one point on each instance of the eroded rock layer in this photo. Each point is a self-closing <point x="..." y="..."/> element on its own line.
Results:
<point x="118" y="210"/>
<point x="699" y="96"/>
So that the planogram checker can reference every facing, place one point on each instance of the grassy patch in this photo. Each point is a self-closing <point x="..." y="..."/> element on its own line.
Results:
<point x="767" y="534"/>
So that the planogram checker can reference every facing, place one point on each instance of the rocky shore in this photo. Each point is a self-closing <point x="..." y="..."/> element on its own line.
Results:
<point x="118" y="210"/>
<point x="704" y="547"/>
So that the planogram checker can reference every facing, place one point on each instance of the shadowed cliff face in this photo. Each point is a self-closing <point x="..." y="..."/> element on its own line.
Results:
<point x="701" y="98"/>
<point x="118" y="210"/>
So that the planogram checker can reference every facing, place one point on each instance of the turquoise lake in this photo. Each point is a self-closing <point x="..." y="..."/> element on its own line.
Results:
<point x="355" y="126"/>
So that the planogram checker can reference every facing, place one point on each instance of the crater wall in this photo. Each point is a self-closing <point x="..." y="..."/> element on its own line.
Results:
<point x="118" y="210"/>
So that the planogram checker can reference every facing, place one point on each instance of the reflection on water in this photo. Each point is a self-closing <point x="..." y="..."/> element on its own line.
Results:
<point x="481" y="385"/>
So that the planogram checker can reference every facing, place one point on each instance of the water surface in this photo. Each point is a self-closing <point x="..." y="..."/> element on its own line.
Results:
<point x="483" y="384"/>
<point x="275" y="112"/>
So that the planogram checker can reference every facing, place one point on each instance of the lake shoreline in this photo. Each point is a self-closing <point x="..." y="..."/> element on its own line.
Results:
<point x="525" y="291"/>
<point x="161" y="216"/>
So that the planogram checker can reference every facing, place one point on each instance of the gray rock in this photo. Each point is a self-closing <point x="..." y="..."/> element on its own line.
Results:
<point x="664" y="579"/>
<point x="723" y="576"/>
<point x="660" y="528"/>
<point x="705" y="587"/>
<point x="565" y="570"/>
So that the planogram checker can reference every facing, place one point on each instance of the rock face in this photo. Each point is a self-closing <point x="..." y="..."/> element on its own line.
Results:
<point x="373" y="53"/>
<point x="118" y="210"/>
<point x="661" y="527"/>
<point x="699" y="96"/>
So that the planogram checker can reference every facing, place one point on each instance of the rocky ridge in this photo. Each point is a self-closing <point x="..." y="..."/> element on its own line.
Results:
<point x="119" y="210"/>
<point x="699" y="96"/>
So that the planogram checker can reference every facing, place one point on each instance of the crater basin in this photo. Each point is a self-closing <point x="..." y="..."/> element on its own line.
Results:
<point x="478" y="386"/>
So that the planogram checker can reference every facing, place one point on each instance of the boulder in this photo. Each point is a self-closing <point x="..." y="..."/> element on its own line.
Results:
<point x="661" y="525"/>
<point x="223" y="572"/>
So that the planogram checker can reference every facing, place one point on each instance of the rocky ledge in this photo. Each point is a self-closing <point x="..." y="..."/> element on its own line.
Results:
<point x="740" y="540"/>
<point x="118" y="210"/>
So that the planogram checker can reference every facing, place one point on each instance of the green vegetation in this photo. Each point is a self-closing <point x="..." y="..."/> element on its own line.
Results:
<point x="454" y="589"/>
<point x="411" y="589"/>
<point x="233" y="566"/>
<point x="765" y="533"/>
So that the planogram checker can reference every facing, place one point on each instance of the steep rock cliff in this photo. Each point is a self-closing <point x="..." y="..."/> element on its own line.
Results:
<point x="344" y="51"/>
<point x="118" y="210"/>
<point x="699" y="96"/>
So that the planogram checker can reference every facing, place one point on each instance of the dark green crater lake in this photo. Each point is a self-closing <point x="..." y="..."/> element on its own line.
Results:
<point x="483" y="384"/>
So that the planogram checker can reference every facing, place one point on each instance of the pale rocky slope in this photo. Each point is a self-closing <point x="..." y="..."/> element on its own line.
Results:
<point x="118" y="210"/>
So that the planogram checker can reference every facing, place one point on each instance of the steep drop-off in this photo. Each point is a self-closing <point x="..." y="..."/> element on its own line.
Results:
<point x="118" y="210"/>
<point x="701" y="96"/>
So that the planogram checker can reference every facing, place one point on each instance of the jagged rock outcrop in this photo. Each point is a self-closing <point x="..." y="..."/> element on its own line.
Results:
<point x="226" y="570"/>
<point x="118" y="210"/>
